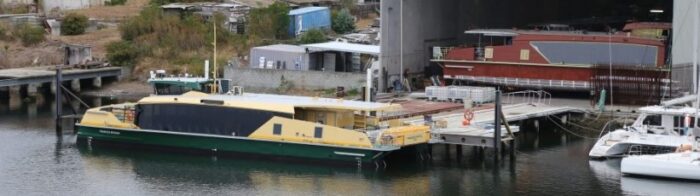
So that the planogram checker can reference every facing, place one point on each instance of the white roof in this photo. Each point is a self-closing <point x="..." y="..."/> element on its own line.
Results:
<point x="306" y="10"/>
<point x="282" y="47"/>
<point x="669" y="110"/>
<point x="300" y="101"/>
<point x="344" y="47"/>
<point x="502" y="33"/>
<point x="176" y="6"/>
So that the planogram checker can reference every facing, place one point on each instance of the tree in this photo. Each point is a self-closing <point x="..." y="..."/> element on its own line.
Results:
<point x="312" y="36"/>
<point x="271" y="22"/>
<point x="121" y="53"/>
<point x="74" y="24"/>
<point x="343" y="22"/>
<point x="115" y="2"/>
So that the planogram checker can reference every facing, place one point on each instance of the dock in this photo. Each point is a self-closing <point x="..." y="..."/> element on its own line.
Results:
<point x="32" y="78"/>
<point x="477" y="135"/>
<point x="519" y="106"/>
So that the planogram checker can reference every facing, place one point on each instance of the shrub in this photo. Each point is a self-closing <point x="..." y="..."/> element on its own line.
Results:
<point x="271" y="22"/>
<point x="342" y="21"/>
<point x="74" y="24"/>
<point x="29" y="34"/>
<point x="121" y="53"/>
<point x="3" y="33"/>
<point x="312" y="36"/>
<point x="115" y="2"/>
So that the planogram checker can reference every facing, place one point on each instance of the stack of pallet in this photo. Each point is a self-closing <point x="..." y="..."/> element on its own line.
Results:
<point x="474" y="94"/>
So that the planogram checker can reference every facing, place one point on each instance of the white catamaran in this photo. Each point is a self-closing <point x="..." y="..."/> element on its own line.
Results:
<point x="658" y="129"/>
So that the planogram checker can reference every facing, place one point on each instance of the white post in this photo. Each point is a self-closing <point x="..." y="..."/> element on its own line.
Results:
<point x="206" y="69"/>
<point x="401" y="40"/>
<point x="368" y="90"/>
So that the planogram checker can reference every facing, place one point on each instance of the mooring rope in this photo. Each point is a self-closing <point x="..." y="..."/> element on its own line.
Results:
<point x="569" y="131"/>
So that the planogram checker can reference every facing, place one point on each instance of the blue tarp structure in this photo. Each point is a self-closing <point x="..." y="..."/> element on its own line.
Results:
<point x="304" y="19"/>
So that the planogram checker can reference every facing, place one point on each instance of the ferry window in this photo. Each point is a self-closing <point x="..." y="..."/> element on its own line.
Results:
<point x="654" y="120"/>
<point x="525" y="54"/>
<point x="318" y="132"/>
<point x="277" y="129"/>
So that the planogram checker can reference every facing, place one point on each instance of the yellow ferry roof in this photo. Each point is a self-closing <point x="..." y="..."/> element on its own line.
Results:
<point x="270" y="102"/>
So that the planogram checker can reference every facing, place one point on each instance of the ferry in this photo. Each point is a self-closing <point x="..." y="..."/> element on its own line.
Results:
<point x="306" y="128"/>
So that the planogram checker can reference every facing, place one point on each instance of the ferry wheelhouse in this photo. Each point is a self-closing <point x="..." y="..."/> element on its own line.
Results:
<point x="255" y="124"/>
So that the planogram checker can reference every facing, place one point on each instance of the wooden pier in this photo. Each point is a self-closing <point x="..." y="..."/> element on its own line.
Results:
<point x="32" y="78"/>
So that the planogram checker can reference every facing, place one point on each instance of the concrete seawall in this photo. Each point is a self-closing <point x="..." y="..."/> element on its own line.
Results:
<point x="271" y="78"/>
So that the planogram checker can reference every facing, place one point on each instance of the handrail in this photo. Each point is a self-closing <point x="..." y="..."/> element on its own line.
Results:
<point x="529" y="96"/>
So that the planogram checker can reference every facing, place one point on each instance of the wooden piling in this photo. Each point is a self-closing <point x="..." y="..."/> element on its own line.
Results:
<point x="497" y="125"/>
<point x="59" y="103"/>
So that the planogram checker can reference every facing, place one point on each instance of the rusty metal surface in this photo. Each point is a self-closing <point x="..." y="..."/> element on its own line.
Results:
<point x="631" y="85"/>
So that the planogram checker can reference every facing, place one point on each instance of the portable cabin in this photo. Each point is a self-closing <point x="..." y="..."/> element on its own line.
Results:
<point x="304" y="19"/>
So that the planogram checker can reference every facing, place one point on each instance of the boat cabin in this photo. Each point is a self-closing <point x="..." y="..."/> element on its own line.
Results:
<point x="669" y="120"/>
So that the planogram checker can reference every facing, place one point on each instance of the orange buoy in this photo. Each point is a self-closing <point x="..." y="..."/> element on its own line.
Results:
<point x="468" y="116"/>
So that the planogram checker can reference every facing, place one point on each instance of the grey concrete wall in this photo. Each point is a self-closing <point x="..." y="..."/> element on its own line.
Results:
<point x="288" y="58"/>
<point x="268" y="78"/>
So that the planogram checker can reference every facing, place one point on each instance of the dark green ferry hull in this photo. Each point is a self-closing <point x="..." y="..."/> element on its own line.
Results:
<point x="224" y="144"/>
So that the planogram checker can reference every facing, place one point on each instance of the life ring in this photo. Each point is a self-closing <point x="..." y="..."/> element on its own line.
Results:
<point x="468" y="116"/>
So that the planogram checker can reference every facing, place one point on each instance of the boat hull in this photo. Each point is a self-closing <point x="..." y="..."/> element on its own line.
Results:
<point x="673" y="165"/>
<point x="231" y="145"/>
<point x="620" y="142"/>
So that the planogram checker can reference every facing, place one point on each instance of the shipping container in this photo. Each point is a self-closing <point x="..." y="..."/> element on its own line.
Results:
<point x="304" y="19"/>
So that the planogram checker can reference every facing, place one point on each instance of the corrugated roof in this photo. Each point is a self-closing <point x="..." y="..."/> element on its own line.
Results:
<point x="344" y="47"/>
<point x="306" y="10"/>
<point x="283" y="48"/>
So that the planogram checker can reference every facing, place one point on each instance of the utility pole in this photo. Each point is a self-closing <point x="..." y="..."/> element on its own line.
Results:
<point x="214" y="88"/>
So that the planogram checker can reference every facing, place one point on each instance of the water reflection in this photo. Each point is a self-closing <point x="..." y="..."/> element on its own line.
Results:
<point x="548" y="162"/>
<point x="608" y="173"/>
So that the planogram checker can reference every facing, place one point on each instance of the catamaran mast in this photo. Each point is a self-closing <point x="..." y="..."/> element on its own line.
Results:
<point x="695" y="55"/>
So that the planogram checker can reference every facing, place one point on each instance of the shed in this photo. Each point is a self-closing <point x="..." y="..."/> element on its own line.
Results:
<point x="304" y="19"/>
<point x="77" y="54"/>
<point x="280" y="56"/>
